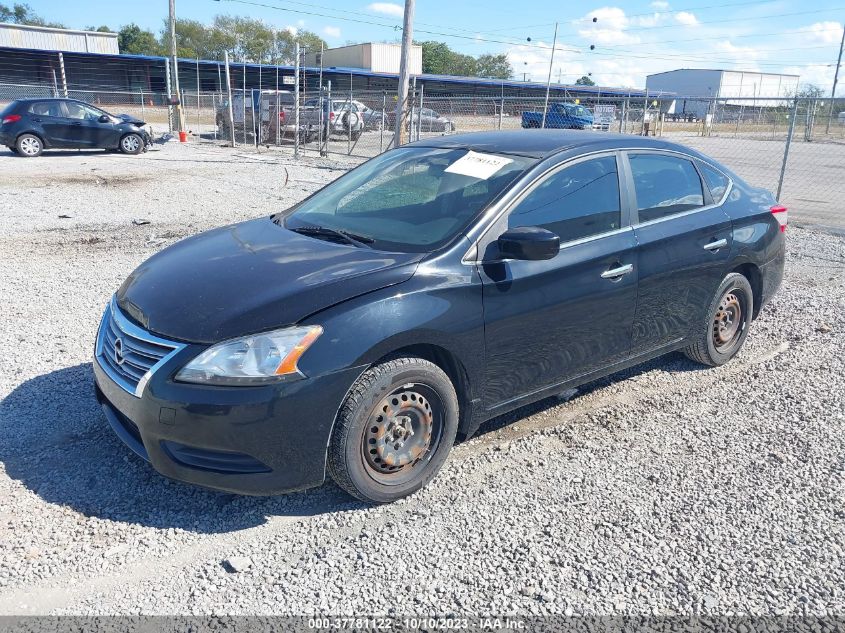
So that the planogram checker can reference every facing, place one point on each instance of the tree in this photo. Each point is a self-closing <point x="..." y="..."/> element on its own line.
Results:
<point x="99" y="29"/>
<point x="584" y="81"/>
<point x="495" y="66"/>
<point x="133" y="40"/>
<point x="23" y="14"/>
<point x="439" y="59"/>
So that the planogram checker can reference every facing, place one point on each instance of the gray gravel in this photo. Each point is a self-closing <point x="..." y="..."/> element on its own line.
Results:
<point x="668" y="489"/>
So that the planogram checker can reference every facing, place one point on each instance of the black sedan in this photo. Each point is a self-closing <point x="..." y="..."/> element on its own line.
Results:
<point x="29" y="126"/>
<point x="432" y="288"/>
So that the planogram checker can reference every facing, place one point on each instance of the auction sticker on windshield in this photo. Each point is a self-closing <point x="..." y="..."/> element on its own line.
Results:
<point x="478" y="165"/>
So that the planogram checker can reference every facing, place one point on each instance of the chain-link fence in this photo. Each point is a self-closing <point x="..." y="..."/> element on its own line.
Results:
<point x="794" y="147"/>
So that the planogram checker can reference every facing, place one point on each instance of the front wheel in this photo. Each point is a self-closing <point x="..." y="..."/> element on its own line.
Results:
<point x="727" y="325"/>
<point x="394" y="430"/>
<point x="131" y="144"/>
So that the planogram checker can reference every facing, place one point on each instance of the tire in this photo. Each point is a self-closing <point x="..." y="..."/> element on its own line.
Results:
<point x="387" y="400"/>
<point x="29" y="146"/>
<point x="13" y="149"/>
<point x="727" y="323"/>
<point x="132" y="144"/>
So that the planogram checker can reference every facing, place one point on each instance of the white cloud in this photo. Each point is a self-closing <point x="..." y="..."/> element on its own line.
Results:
<point x="609" y="27"/>
<point x="331" y="31"/>
<point x="660" y="5"/>
<point x="387" y="8"/>
<point x="292" y="29"/>
<point x="686" y="18"/>
<point x="824" y="32"/>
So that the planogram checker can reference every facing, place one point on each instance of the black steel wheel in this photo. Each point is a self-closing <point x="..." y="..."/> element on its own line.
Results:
<point x="394" y="430"/>
<point x="728" y="322"/>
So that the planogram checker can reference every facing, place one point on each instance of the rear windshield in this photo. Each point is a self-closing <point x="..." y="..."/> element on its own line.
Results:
<point x="412" y="199"/>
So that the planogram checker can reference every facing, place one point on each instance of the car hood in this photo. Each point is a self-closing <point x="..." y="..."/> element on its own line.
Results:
<point x="128" y="118"/>
<point x="251" y="277"/>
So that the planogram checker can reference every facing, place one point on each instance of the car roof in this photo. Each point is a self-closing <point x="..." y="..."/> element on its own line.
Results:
<point x="544" y="143"/>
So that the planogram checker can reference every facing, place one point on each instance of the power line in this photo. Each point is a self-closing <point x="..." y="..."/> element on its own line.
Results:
<point x="573" y="49"/>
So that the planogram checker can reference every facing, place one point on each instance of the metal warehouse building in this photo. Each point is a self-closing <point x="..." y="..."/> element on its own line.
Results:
<point x="47" y="38"/>
<point x="698" y="87"/>
<point x="36" y="61"/>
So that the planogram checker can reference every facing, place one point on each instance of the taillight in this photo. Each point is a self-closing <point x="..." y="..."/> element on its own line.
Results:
<point x="781" y="215"/>
<point x="331" y="116"/>
<point x="12" y="118"/>
<point x="281" y="116"/>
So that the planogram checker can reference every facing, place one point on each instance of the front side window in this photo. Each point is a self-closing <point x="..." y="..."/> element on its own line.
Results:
<point x="716" y="180"/>
<point x="47" y="108"/>
<point x="575" y="202"/>
<point x="411" y="199"/>
<point x="82" y="111"/>
<point x="664" y="185"/>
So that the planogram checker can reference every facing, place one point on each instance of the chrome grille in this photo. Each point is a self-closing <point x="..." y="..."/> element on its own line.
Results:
<point x="127" y="353"/>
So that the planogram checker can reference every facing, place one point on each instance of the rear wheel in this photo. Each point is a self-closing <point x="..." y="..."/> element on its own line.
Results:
<point x="728" y="322"/>
<point x="131" y="144"/>
<point x="394" y="430"/>
<point x="29" y="145"/>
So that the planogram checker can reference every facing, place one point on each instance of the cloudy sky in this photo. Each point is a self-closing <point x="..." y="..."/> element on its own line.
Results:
<point x="631" y="39"/>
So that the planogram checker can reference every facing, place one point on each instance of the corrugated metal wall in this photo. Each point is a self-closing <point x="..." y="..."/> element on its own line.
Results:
<point x="47" y="39"/>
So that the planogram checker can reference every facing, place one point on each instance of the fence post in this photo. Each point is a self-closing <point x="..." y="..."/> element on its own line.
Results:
<point x="383" y="122"/>
<point x="141" y="90"/>
<point x="169" y="95"/>
<point x="622" y="123"/>
<point x="199" y="134"/>
<point x="296" y="104"/>
<point x="229" y="94"/>
<point x="64" y="76"/>
<point x="792" y="118"/>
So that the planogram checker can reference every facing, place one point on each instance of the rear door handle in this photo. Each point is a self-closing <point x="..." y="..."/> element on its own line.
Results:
<point x="716" y="245"/>
<point x="615" y="273"/>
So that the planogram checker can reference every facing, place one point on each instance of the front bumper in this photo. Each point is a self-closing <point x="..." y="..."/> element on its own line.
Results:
<point x="262" y="440"/>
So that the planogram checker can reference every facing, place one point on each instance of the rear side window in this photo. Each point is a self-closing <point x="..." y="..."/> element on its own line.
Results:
<point x="716" y="180"/>
<point x="664" y="185"/>
<point x="575" y="202"/>
<point x="47" y="108"/>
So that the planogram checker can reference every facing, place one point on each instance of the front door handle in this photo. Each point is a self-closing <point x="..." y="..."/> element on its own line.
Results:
<point x="716" y="245"/>
<point x="616" y="273"/>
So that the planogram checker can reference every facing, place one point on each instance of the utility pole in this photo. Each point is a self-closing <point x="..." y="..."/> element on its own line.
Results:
<point x="180" y="124"/>
<point x="835" y="81"/>
<point x="404" y="71"/>
<point x="549" y="80"/>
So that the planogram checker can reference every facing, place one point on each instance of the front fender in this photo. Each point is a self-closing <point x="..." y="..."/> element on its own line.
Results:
<point x="435" y="307"/>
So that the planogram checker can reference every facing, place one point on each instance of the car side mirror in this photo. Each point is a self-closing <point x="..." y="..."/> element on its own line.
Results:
<point x="104" y="118"/>
<point x="529" y="243"/>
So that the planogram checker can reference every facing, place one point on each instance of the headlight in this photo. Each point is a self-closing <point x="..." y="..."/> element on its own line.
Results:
<point x="250" y="360"/>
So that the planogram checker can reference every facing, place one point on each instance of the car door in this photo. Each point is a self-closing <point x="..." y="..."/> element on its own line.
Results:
<point x="50" y="117"/>
<point x="86" y="129"/>
<point x="550" y="321"/>
<point x="684" y="246"/>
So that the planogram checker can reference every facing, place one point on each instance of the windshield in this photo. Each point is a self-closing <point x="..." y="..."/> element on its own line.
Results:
<point x="411" y="199"/>
<point x="578" y="110"/>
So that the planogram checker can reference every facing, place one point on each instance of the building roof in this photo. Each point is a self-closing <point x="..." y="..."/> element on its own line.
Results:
<point x="721" y="70"/>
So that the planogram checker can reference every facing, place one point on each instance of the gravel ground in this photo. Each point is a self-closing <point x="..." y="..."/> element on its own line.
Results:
<point x="668" y="489"/>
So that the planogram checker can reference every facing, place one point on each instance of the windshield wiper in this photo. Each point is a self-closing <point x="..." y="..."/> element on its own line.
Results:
<point x="346" y="236"/>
